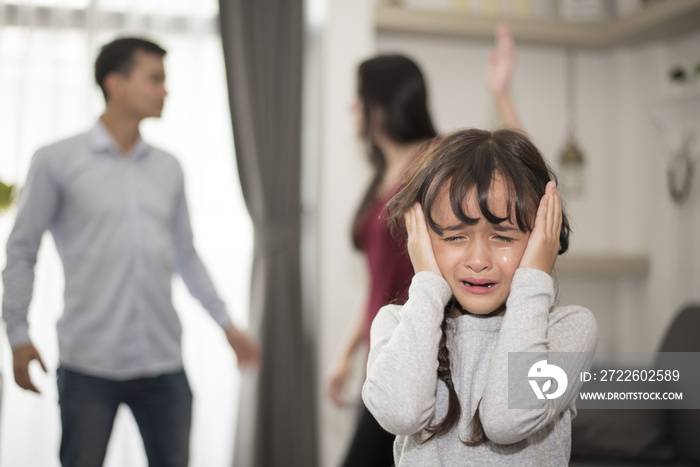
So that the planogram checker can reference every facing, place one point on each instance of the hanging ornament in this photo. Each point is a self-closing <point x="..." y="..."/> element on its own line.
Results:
<point x="680" y="173"/>
<point x="571" y="159"/>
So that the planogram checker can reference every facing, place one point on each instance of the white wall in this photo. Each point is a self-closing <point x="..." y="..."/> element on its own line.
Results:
<point x="624" y="208"/>
<point x="348" y="38"/>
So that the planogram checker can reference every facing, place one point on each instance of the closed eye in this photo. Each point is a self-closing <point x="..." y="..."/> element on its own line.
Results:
<point x="501" y="238"/>
<point x="453" y="238"/>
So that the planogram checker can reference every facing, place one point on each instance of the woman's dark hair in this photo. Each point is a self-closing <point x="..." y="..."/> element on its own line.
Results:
<point x="393" y="96"/>
<point x="118" y="56"/>
<point x="469" y="160"/>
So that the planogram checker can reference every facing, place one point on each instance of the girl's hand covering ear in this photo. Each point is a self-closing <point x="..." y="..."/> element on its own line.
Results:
<point x="420" y="248"/>
<point x="543" y="245"/>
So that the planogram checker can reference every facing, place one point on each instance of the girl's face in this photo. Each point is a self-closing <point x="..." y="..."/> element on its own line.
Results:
<point x="478" y="261"/>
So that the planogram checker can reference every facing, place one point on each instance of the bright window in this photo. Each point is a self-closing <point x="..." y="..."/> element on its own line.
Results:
<point x="47" y="50"/>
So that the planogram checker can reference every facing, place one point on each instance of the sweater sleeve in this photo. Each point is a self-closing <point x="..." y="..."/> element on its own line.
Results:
<point x="402" y="365"/>
<point x="529" y="326"/>
<point x="39" y="204"/>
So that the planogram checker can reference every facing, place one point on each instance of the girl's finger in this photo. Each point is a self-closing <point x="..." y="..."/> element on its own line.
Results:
<point x="541" y="216"/>
<point x="419" y="216"/>
<point x="558" y="213"/>
<point x="408" y="220"/>
<point x="416" y="215"/>
<point x="551" y="211"/>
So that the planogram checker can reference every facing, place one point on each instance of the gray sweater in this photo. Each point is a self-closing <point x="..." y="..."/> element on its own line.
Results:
<point x="403" y="392"/>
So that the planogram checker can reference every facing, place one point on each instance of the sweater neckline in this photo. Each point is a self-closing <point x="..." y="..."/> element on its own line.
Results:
<point x="472" y="322"/>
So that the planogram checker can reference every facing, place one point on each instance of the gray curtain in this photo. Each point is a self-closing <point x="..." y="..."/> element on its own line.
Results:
<point x="262" y="41"/>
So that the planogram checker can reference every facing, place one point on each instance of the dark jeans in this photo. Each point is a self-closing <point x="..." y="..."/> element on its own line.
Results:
<point x="371" y="446"/>
<point x="162" y="407"/>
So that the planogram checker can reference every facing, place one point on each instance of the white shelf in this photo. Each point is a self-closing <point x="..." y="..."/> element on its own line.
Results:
<point x="602" y="265"/>
<point x="660" y="20"/>
<point x="687" y="97"/>
<point x="677" y="115"/>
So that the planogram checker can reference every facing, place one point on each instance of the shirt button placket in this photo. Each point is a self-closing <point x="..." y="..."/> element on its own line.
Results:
<point x="141" y="338"/>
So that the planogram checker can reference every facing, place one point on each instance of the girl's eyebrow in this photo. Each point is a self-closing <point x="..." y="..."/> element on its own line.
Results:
<point x="455" y="227"/>
<point x="504" y="228"/>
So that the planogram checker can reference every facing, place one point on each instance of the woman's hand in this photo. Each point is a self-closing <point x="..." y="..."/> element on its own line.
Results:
<point x="543" y="245"/>
<point x="501" y="62"/>
<point x="420" y="248"/>
<point x="336" y="382"/>
<point x="498" y="74"/>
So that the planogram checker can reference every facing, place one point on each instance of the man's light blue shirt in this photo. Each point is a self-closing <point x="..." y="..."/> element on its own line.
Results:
<point x="122" y="229"/>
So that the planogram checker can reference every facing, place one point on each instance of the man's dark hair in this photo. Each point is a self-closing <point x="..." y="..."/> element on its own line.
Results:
<point x="118" y="56"/>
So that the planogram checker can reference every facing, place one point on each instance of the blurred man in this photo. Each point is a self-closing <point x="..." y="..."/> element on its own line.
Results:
<point x="117" y="211"/>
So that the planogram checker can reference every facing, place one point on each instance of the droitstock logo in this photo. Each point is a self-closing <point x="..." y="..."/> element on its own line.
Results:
<point x="541" y="370"/>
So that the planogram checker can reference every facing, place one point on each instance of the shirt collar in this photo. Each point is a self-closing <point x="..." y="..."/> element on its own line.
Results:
<point x="101" y="141"/>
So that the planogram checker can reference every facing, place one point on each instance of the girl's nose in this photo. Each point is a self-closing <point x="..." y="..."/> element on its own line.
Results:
<point x="478" y="258"/>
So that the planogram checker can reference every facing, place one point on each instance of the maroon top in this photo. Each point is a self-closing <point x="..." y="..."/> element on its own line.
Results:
<point x="390" y="268"/>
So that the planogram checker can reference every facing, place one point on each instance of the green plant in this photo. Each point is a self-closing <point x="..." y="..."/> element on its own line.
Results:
<point x="677" y="74"/>
<point x="8" y="195"/>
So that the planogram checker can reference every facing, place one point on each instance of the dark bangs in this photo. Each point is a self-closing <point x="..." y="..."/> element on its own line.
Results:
<point x="474" y="159"/>
<point x="477" y="166"/>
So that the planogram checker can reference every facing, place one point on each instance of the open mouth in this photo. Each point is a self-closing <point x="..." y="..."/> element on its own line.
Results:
<point x="479" y="284"/>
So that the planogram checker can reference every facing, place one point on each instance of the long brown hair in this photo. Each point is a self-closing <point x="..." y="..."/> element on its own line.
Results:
<point x="472" y="159"/>
<point x="394" y="98"/>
